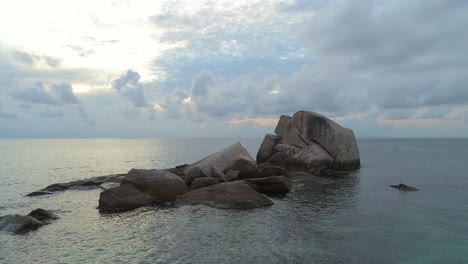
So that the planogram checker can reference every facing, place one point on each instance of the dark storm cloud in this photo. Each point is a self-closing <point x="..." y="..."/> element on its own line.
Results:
<point x="129" y="86"/>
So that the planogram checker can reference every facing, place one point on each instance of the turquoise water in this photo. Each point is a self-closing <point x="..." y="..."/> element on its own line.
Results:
<point x="358" y="219"/>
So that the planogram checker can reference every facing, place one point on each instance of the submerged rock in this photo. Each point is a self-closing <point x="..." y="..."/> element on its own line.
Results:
<point x="124" y="197"/>
<point x="234" y="157"/>
<point x="21" y="224"/>
<point x="160" y="184"/>
<point x="43" y="215"/>
<point x="85" y="184"/>
<point x="404" y="187"/>
<point x="228" y="195"/>
<point x="310" y="142"/>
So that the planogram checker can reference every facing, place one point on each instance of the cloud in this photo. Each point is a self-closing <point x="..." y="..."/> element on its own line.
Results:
<point x="129" y="86"/>
<point x="401" y="55"/>
<point x="54" y="94"/>
<point x="257" y="121"/>
<point x="34" y="59"/>
<point x="201" y="83"/>
<point x="36" y="93"/>
<point x="65" y="92"/>
<point x="228" y="40"/>
<point x="8" y="115"/>
<point x="81" y="51"/>
<point x="52" y="113"/>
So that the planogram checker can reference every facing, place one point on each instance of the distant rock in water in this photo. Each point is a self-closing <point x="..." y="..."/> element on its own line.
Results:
<point x="310" y="142"/>
<point x="21" y="224"/>
<point x="404" y="187"/>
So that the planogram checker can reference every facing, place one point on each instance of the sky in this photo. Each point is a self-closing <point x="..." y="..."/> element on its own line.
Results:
<point x="139" y="69"/>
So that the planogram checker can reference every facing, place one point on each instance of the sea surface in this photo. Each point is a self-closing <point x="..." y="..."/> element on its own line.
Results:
<point x="356" y="219"/>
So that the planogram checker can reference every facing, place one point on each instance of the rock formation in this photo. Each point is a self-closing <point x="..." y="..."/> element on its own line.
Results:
<point x="231" y="178"/>
<point x="309" y="142"/>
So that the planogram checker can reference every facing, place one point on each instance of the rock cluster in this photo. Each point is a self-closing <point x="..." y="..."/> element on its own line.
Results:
<point x="228" y="178"/>
<point x="231" y="178"/>
<point x="310" y="142"/>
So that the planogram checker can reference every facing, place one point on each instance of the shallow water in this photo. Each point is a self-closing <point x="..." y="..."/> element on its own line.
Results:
<point x="358" y="219"/>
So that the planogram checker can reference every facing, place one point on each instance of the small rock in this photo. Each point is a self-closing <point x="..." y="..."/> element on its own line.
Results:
<point x="39" y="193"/>
<point x="19" y="224"/>
<point x="55" y="187"/>
<point x="43" y="215"/>
<point x="404" y="187"/>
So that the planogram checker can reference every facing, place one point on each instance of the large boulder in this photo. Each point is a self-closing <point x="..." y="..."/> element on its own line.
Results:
<point x="124" y="197"/>
<point x="267" y="148"/>
<point x="234" y="157"/>
<point x="281" y="126"/>
<point x="272" y="184"/>
<point x="228" y="195"/>
<point x="310" y="142"/>
<point x="160" y="184"/>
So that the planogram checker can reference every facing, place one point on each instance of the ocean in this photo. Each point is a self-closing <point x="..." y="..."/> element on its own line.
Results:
<point x="355" y="219"/>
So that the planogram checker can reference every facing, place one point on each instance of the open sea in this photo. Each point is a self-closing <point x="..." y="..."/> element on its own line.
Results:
<point x="357" y="219"/>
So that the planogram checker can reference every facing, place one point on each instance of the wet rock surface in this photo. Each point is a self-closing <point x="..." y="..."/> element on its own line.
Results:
<point x="228" y="195"/>
<point x="404" y="187"/>
<point x="21" y="224"/>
